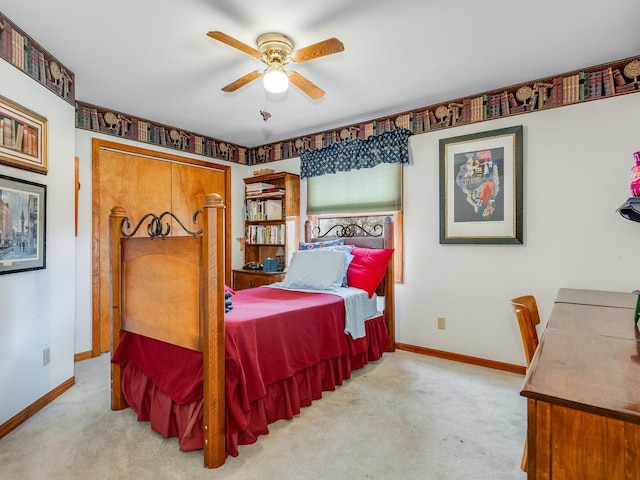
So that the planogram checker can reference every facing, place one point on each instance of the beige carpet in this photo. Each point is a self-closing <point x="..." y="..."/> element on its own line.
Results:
<point x="405" y="417"/>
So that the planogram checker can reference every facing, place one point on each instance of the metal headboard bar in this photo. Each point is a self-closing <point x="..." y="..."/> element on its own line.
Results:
<point x="350" y="230"/>
<point x="155" y="227"/>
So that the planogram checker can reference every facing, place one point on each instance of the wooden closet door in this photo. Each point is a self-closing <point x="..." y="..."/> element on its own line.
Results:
<point x="143" y="181"/>
<point x="189" y="186"/>
<point x="139" y="185"/>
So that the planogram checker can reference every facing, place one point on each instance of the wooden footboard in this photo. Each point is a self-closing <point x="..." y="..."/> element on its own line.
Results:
<point x="171" y="288"/>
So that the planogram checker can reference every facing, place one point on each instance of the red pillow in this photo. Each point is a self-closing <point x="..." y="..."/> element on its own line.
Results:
<point x="368" y="267"/>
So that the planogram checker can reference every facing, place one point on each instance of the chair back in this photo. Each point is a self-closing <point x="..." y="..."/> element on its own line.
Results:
<point x="526" y="310"/>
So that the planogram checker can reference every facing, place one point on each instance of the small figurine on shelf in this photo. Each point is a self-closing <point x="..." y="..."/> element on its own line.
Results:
<point x="635" y="181"/>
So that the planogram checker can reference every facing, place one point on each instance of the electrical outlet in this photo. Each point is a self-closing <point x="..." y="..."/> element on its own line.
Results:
<point x="46" y="356"/>
<point x="441" y="323"/>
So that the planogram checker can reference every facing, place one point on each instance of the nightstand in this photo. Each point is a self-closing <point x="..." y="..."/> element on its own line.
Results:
<point x="254" y="278"/>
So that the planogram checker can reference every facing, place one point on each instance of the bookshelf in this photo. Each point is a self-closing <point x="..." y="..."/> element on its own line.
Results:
<point x="271" y="222"/>
<point x="24" y="53"/>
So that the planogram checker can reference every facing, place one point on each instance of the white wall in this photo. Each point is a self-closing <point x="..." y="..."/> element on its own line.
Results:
<point x="83" y="244"/>
<point x="577" y="162"/>
<point x="37" y="307"/>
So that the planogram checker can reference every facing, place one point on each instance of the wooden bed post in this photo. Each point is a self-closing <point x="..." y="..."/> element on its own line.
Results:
<point x="308" y="230"/>
<point x="212" y="324"/>
<point x="118" y="401"/>
<point x="389" y="286"/>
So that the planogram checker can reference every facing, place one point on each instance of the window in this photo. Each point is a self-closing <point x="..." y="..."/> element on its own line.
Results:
<point x="376" y="189"/>
<point x="363" y="197"/>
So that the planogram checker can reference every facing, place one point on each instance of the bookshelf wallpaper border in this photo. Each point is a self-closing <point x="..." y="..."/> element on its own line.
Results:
<point x="592" y="83"/>
<point x="615" y="78"/>
<point x="24" y="53"/>
<point x="119" y="124"/>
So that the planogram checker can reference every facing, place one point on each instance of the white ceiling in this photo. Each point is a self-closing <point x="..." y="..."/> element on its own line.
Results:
<point x="152" y="58"/>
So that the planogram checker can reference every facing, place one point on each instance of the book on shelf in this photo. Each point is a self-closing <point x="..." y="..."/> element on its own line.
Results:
<point x="608" y="83"/>
<point x="265" y="234"/>
<point x="258" y="186"/>
<point x="270" y="192"/>
<point x="433" y="122"/>
<point x="19" y="135"/>
<point x="595" y="84"/>
<point x="629" y="87"/>
<point x="9" y="125"/>
<point x="455" y="113"/>
<point x="569" y="89"/>
<point x="504" y="103"/>
<point x="418" y="122"/>
<point x="618" y="78"/>
<point x="478" y="108"/>
<point x="466" y="111"/>
<point x="533" y="100"/>
<point x="556" y="92"/>
<point x="493" y="106"/>
<point x="587" y="86"/>
<point x="273" y="210"/>
<point x="543" y="89"/>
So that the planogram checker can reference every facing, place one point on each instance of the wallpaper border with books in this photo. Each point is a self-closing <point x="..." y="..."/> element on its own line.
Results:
<point x="24" y="53"/>
<point x="593" y="83"/>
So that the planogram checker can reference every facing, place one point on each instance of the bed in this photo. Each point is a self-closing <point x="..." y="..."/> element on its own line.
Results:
<point x="216" y="380"/>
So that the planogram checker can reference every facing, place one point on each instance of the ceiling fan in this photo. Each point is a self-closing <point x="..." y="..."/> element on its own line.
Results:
<point x="275" y="50"/>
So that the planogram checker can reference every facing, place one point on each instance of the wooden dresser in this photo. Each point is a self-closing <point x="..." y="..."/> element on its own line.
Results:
<point x="583" y="390"/>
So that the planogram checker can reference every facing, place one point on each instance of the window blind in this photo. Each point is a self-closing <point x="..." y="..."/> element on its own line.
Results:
<point x="376" y="189"/>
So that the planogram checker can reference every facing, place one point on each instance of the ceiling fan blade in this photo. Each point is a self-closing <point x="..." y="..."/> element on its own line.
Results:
<point x="320" y="49"/>
<point x="242" y="81"/>
<point x="306" y="85"/>
<point x="224" y="38"/>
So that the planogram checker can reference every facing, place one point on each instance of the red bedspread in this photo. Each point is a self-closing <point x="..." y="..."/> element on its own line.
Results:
<point x="282" y="349"/>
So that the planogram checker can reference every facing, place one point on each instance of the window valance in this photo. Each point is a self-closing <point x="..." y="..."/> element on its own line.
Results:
<point x="387" y="147"/>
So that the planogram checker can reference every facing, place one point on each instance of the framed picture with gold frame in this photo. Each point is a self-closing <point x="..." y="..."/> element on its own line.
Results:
<point x="481" y="188"/>
<point x="23" y="137"/>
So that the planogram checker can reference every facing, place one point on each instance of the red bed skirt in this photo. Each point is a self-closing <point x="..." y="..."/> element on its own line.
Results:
<point x="283" y="398"/>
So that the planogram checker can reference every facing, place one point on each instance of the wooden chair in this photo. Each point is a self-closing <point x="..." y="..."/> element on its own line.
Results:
<point x="526" y="310"/>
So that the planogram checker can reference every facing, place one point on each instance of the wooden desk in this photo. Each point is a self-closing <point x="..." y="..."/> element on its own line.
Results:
<point x="596" y="298"/>
<point x="583" y="390"/>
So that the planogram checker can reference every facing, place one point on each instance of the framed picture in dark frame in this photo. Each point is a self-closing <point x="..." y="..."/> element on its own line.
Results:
<point x="481" y="188"/>
<point x="22" y="225"/>
<point x="23" y="137"/>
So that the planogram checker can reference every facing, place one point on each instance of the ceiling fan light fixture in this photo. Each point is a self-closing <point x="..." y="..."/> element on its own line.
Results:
<point x="275" y="79"/>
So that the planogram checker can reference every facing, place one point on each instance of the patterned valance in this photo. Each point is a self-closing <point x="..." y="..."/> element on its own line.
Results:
<point x="387" y="147"/>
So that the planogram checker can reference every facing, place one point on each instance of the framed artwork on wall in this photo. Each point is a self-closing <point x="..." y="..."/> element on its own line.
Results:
<point x="23" y="137"/>
<point x="22" y="225"/>
<point x="481" y="188"/>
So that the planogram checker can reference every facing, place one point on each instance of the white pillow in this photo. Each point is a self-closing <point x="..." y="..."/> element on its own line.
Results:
<point x="347" y="253"/>
<point x="315" y="270"/>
